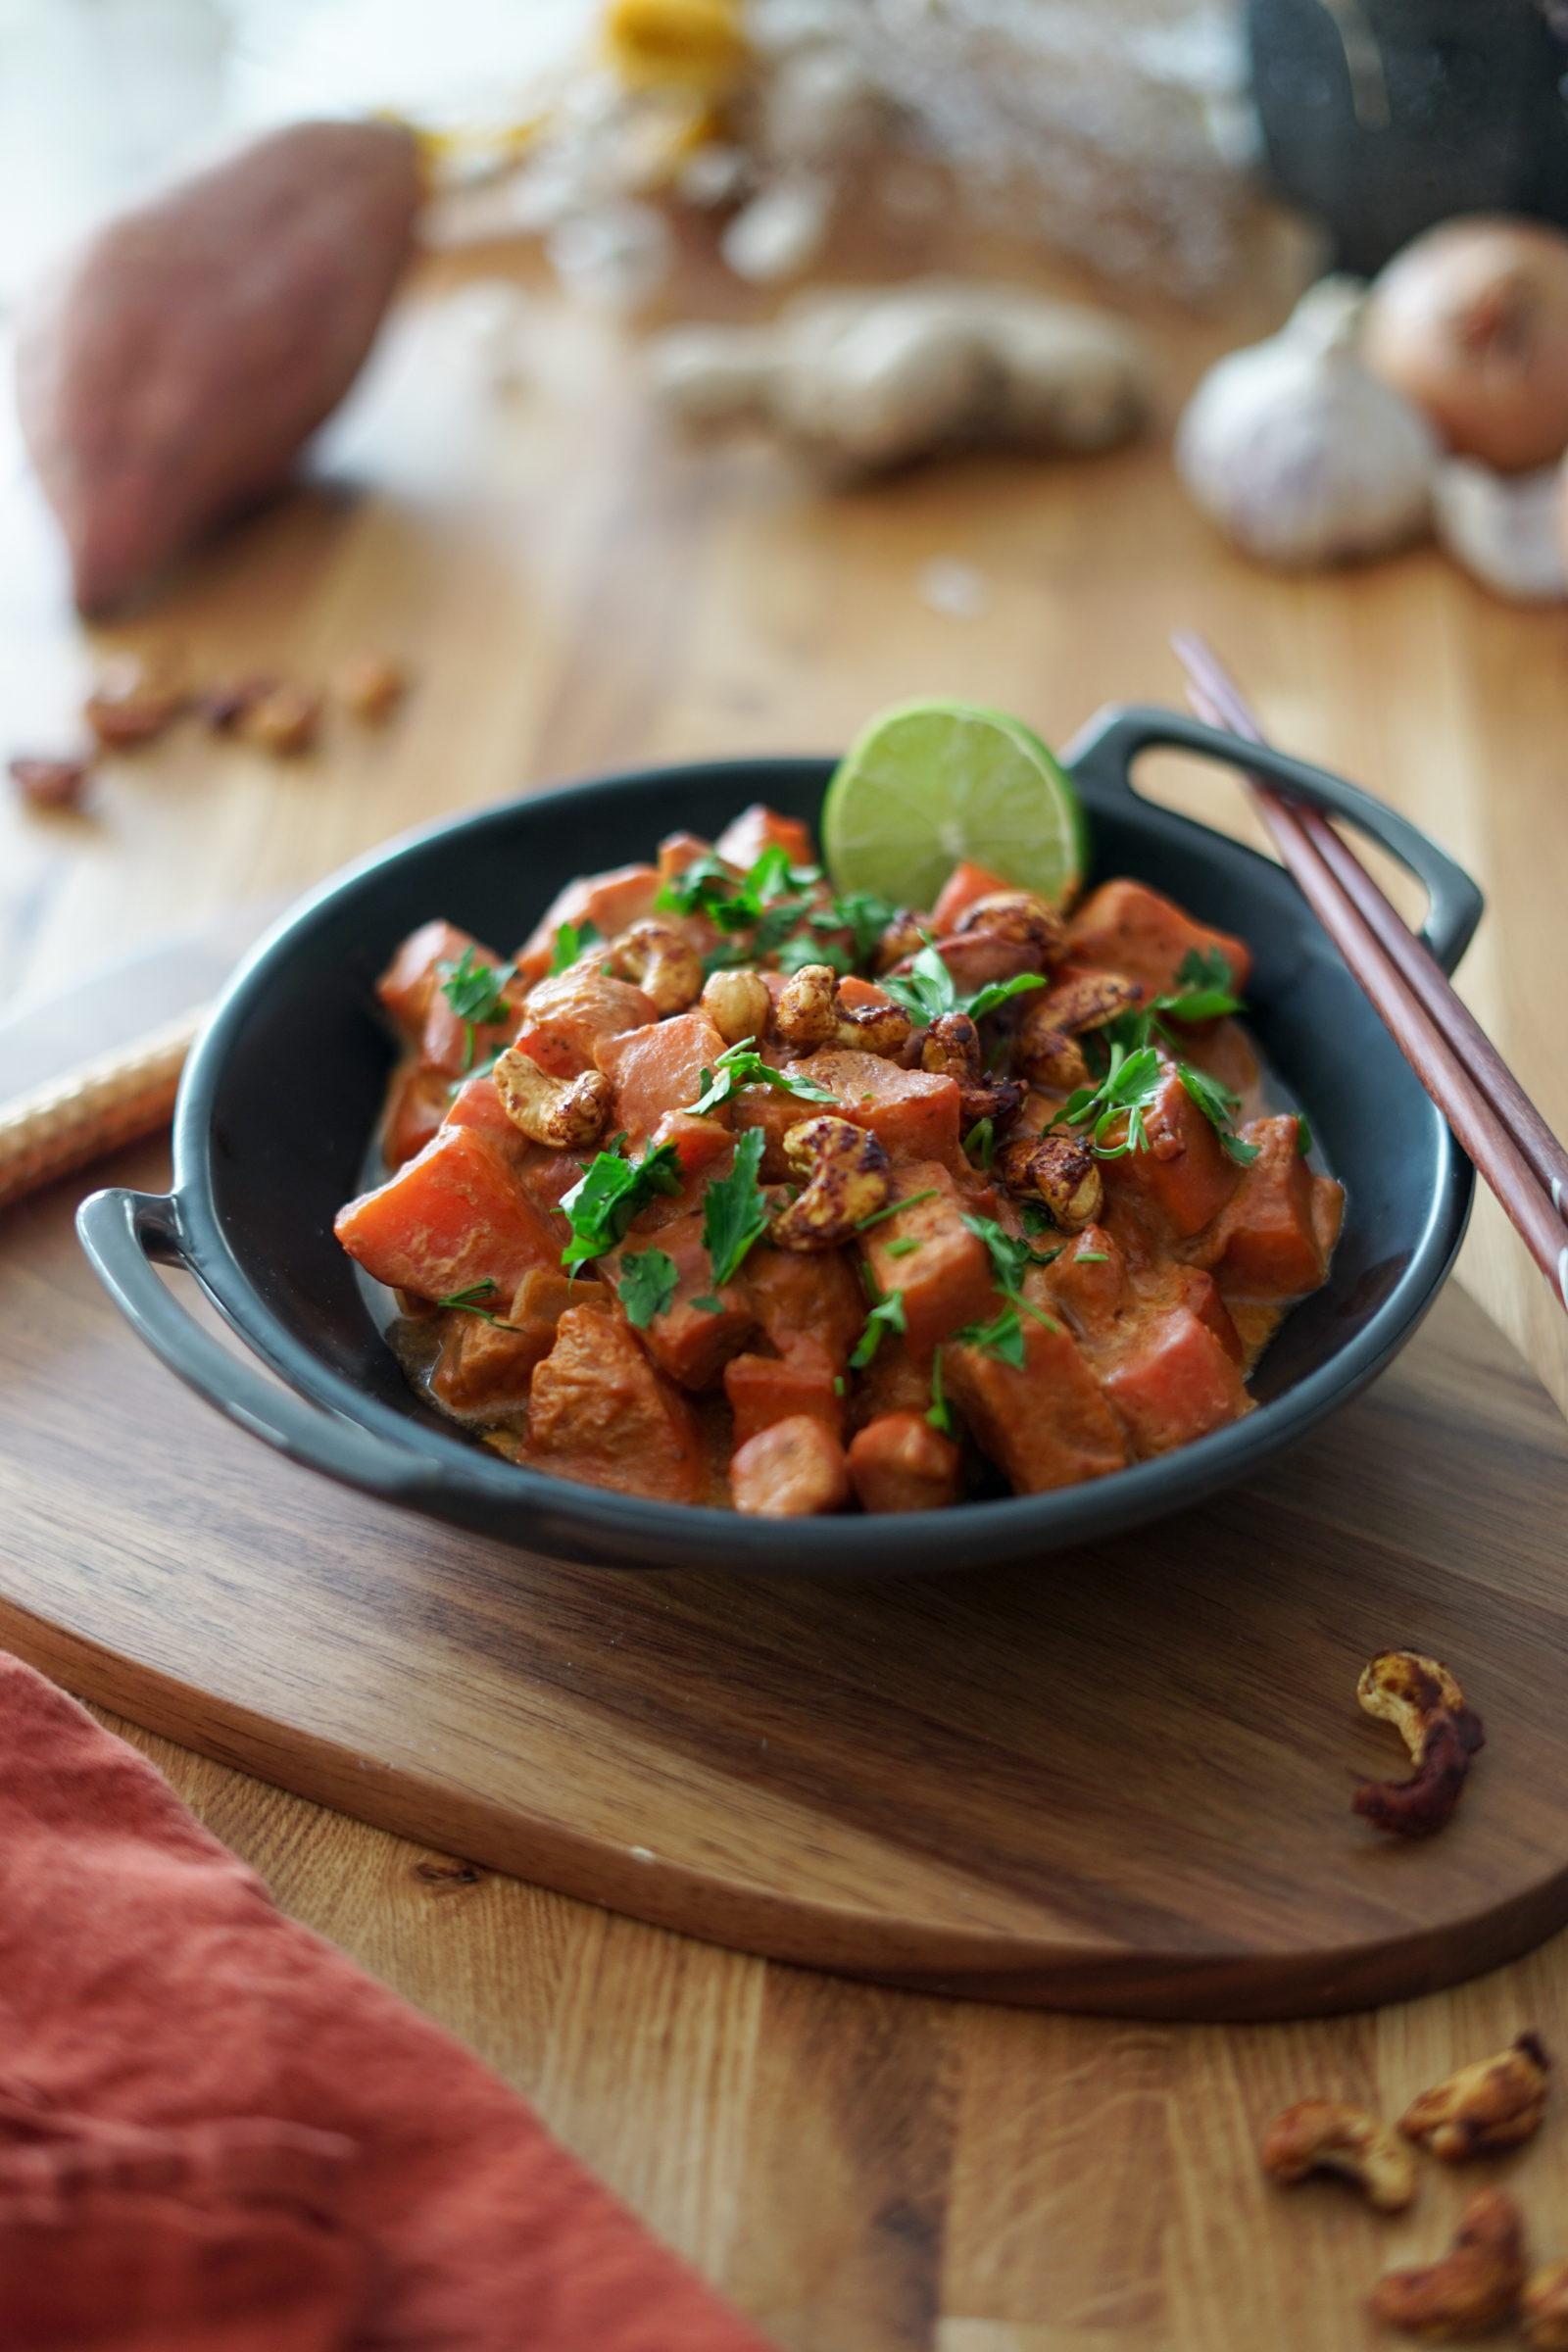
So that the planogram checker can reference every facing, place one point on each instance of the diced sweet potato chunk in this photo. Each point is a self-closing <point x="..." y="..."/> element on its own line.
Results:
<point x="411" y="977"/>
<point x="1270" y="1247"/>
<point x="611" y="901"/>
<point x="958" y="892"/>
<point x="892" y="1383"/>
<point x="798" y="1296"/>
<point x="765" y="1389"/>
<point x="775" y="1113"/>
<point x="453" y="1217"/>
<point x="1185" y="1177"/>
<point x="1045" y="1423"/>
<point x="1178" y="1384"/>
<point x="1201" y="1298"/>
<point x="757" y="828"/>
<point x="657" y="1068"/>
<point x="416" y="1107"/>
<point x="1087" y="1280"/>
<point x="691" y="1343"/>
<point x="913" y="1113"/>
<point x="792" y="1469"/>
<point x="599" y="1412"/>
<point x="700" y="1145"/>
<point x="565" y="1019"/>
<point x="1126" y="927"/>
<point x="945" y="1277"/>
<point x="899" y="1463"/>
<point x="485" y="1366"/>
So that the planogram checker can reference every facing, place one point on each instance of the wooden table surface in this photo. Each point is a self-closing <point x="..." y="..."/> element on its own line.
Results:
<point x="858" y="2169"/>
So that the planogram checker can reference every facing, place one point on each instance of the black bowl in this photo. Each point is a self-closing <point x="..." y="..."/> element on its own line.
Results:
<point x="283" y="1089"/>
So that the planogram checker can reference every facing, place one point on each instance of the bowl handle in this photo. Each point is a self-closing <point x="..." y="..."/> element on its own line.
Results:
<point x="120" y="1231"/>
<point x="1104" y="751"/>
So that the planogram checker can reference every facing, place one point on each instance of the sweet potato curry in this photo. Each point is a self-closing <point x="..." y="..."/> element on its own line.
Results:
<point x="731" y="1190"/>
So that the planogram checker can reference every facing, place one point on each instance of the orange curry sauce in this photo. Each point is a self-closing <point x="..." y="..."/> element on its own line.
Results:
<point x="919" y="1260"/>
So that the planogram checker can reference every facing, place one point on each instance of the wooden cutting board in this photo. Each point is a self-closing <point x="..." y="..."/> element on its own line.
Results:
<point x="1119" y="1782"/>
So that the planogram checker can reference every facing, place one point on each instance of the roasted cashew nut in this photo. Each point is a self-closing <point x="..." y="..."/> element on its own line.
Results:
<point x="564" y="1112"/>
<point x="1021" y="917"/>
<point x="1059" y="1169"/>
<point x="1423" y="1700"/>
<point x="738" y="1004"/>
<point x="1046" y="1048"/>
<point x="952" y="1049"/>
<point x="1330" y="2135"/>
<point x="847" y="1177"/>
<point x="904" y="936"/>
<point x="1475" y="2285"/>
<point x="661" y="961"/>
<point x="813" y="1013"/>
<point x="1496" y="2103"/>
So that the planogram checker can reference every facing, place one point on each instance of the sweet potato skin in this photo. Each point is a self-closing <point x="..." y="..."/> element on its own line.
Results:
<point x="169" y="376"/>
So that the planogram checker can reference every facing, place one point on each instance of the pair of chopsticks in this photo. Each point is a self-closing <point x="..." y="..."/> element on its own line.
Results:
<point x="1492" y="1117"/>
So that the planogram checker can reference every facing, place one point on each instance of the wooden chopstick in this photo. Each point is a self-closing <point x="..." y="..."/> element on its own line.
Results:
<point x="113" y="1100"/>
<point x="1519" y="1158"/>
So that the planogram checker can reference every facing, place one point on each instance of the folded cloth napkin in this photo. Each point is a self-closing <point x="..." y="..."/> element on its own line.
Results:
<point x="218" y="2135"/>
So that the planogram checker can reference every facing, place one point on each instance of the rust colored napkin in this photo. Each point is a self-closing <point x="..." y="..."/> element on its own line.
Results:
<point x="218" y="2135"/>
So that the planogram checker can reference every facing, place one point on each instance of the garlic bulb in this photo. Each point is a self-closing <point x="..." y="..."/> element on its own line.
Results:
<point x="1503" y="529"/>
<point x="1298" y="451"/>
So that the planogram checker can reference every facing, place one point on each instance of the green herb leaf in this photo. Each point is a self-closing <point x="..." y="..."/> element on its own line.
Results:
<point x="885" y="1315"/>
<point x="803" y="950"/>
<point x="1002" y="1338"/>
<point x="986" y="999"/>
<point x="474" y="991"/>
<point x="926" y="990"/>
<point x="981" y="1140"/>
<point x="1304" y="1134"/>
<point x="710" y="1305"/>
<point x="468" y="1299"/>
<point x="902" y="1248"/>
<point x="570" y="941"/>
<point x="708" y="886"/>
<point x="1009" y="1259"/>
<point x="891" y="1208"/>
<point x="1091" y="1258"/>
<point x="940" y="1416"/>
<point x="603" y="1200"/>
<point x="742" y="1065"/>
<point x="1128" y="1087"/>
<point x="863" y="913"/>
<point x="648" y="1283"/>
<point x="734" y="1211"/>
<point x="1218" y="1106"/>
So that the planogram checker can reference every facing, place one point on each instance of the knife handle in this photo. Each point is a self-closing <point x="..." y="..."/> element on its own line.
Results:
<point x="113" y="1100"/>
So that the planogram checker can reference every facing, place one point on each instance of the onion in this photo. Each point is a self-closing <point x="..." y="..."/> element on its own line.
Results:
<point x="1471" y="322"/>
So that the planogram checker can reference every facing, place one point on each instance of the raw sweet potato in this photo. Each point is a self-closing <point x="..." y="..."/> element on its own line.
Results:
<point x="168" y="378"/>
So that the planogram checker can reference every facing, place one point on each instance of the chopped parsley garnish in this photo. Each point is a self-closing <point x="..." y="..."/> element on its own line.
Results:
<point x="980" y="1141"/>
<point x="903" y="1248"/>
<point x="1304" y="1134"/>
<point x="885" y="1315"/>
<point x="476" y="993"/>
<point x="1127" y="1090"/>
<point x="793" y="954"/>
<point x="1002" y="1336"/>
<point x="1218" y="1106"/>
<point x="928" y="989"/>
<point x="863" y="913"/>
<point x="1091" y="1258"/>
<point x="734" y="1211"/>
<point x="1009" y="1259"/>
<point x="891" y="1208"/>
<point x="940" y="1416"/>
<point x="570" y="941"/>
<point x="708" y="886"/>
<point x="468" y="1299"/>
<point x="647" y="1284"/>
<point x="603" y="1200"/>
<point x="1204" y="988"/>
<point x="742" y="1065"/>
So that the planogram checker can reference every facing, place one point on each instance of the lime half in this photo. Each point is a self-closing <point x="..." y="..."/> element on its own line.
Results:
<point x="930" y="783"/>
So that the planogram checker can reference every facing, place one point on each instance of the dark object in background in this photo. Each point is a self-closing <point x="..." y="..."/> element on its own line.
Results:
<point x="1384" y="116"/>
<point x="168" y="375"/>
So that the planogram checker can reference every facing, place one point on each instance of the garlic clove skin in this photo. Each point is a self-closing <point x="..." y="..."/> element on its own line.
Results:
<point x="1298" y="453"/>
<point x="1503" y="527"/>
